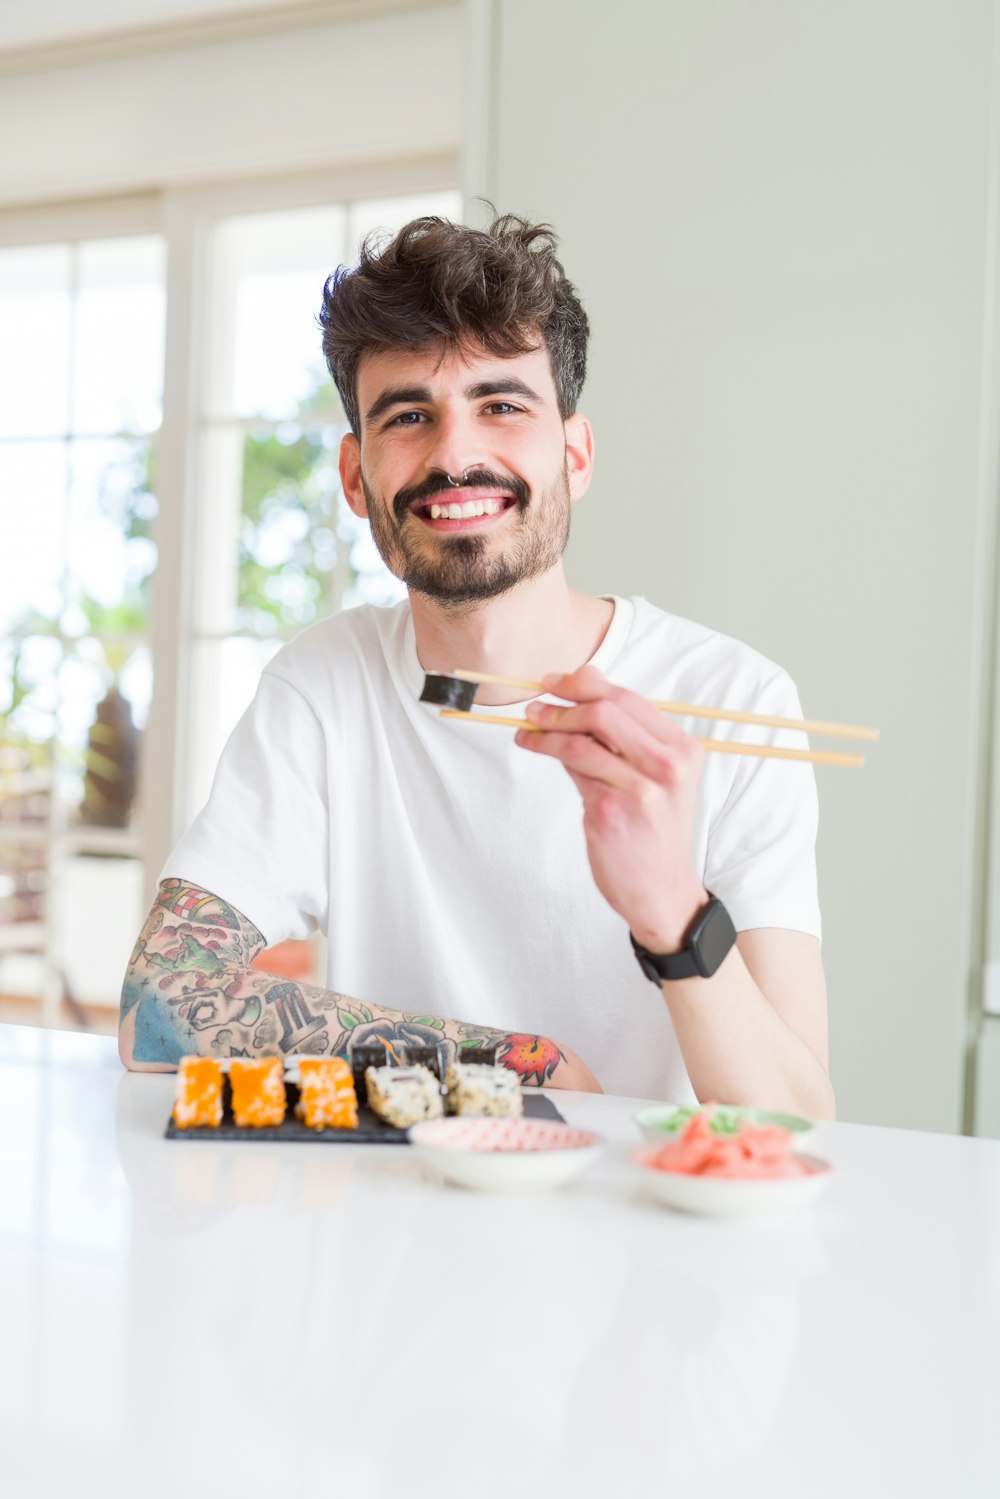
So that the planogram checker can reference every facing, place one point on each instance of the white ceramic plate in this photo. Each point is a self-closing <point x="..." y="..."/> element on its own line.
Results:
<point x="720" y="1197"/>
<point x="665" y="1121"/>
<point x="505" y="1155"/>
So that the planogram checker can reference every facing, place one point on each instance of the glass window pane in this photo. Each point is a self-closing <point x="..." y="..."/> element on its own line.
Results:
<point x="34" y="348"/>
<point x="120" y="319"/>
<point x="267" y="549"/>
<point x="6" y="682"/>
<point x="32" y="552"/>
<point x="288" y="543"/>
<point x="31" y="720"/>
<point x="112" y="554"/>
<point x="266" y="282"/>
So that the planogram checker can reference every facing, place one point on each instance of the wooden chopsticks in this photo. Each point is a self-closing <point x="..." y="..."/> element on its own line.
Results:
<point x="719" y="746"/>
<point x="695" y="710"/>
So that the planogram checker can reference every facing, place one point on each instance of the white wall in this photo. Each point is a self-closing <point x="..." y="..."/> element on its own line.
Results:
<point x="777" y="215"/>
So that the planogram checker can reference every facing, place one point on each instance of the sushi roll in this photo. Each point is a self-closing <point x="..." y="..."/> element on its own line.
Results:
<point x="403" y="1095"/>
<point x="474" y="1089"/>
<point x="258" y="1092"/>
<point x="198" y="1099"/>
<point x="327" y="1099"/>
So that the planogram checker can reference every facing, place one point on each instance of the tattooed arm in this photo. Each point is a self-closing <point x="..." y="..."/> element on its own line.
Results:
<point x="190" y="989"/>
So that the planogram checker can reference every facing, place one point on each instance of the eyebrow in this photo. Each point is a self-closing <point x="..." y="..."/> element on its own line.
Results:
<point x="509" y="386"/>
<point x="396" y="395"/>
<point x="409" y="395"/>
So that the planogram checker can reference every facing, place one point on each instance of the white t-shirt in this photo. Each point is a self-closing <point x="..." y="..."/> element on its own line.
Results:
<point x="449" y="869"/>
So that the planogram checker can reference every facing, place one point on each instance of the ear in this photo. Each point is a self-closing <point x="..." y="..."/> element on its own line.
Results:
<point x="350" y="475"/>
<point x="579" y="454"/>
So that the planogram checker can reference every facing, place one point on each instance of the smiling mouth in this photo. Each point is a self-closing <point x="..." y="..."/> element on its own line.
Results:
<point x="445" y="514"/>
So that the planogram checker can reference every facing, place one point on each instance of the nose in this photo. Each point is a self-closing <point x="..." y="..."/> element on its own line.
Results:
<point x="453" y="448"/>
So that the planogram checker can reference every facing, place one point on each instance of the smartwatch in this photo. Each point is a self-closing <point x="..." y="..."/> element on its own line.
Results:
<point x="706" y="943"/>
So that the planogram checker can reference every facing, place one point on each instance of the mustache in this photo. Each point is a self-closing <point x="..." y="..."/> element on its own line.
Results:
<point x="479" y="478"/>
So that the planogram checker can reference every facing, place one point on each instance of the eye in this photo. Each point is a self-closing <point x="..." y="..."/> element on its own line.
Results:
<point x="500" y="408"/>
<point x="406" y="419"/>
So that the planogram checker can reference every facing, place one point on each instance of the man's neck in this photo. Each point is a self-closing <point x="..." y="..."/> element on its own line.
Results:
<point x="539" y="627"/>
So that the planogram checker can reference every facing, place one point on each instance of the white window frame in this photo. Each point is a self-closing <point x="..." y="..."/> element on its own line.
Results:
<point x="184" y="217"/>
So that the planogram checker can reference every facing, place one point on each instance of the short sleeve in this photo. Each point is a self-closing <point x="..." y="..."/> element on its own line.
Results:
<point x="261" y="841"/>
<point x="761" y="854"/>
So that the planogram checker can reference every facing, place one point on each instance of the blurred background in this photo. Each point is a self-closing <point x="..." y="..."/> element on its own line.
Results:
<point x="782" y="218"/>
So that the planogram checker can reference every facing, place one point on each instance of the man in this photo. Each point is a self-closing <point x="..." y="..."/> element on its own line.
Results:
<point x="460" y="869"/>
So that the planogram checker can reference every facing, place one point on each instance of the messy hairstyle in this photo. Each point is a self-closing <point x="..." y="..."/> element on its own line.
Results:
<point x="438" y="283"/>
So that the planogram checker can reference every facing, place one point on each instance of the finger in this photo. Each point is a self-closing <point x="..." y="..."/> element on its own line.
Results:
<point x="582" y="756"/>
<point x="665" y="759"/>
<point x="581" y="685"/>
<point x="588" y="685"/>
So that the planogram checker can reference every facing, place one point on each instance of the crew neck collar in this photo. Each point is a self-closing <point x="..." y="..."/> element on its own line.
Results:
<point x="603" y="658"/>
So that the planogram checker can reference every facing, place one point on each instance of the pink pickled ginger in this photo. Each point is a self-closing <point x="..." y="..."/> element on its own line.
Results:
<point x="754" y="1151"/>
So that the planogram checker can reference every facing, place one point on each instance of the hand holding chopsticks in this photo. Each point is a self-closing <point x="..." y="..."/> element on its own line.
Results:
<point x="455" y="693"/>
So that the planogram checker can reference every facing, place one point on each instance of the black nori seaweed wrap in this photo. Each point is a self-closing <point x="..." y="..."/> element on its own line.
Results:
<point x="448" y="692"/>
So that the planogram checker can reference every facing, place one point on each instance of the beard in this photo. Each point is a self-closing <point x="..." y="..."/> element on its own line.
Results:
<point x="457" y="570"/>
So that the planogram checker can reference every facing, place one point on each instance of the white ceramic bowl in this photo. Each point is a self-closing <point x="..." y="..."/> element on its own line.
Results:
<point x="505" y="1155"/>
<point x="665" y="1121"/>
<point x="722" y="1197"/>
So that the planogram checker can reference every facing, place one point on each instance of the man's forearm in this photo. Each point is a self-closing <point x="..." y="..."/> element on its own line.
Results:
<point x="268" y="1015"/>
<point x="189" y="990"/>
<point x="738" y="1050"/>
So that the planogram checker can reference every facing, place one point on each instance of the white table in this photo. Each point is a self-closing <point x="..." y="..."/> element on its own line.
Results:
<point x="199" y="1318"/>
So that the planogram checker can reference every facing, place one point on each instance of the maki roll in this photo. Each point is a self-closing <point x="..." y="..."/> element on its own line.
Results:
<point x="198" y="1099"/>
<point x="403" y="1095"/>
<point x="258" y="1092"/>
<point x="474" y="1089"/>
<point x="327" y="1099"/>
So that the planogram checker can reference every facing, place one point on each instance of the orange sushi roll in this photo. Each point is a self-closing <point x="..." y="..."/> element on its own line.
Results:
<point x="327" y="1099"/>
<point x="258" y="1092"/>
<point x="198" y="1100"/>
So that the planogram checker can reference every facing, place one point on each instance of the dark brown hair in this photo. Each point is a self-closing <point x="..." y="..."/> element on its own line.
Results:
<point x="441" y="283"/>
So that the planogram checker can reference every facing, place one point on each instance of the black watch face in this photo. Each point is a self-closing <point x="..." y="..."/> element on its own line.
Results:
<point x="712" y="939"/>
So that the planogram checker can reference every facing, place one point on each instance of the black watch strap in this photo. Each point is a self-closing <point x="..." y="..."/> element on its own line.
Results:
<point x="706" y="944"/>
<point x="660" y="966"/>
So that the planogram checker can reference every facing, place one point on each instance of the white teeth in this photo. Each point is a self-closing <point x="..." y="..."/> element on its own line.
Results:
<point x="470" y="510"/>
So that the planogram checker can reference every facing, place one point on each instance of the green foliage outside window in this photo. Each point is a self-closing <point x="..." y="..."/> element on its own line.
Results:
<point x="288" y="530"/>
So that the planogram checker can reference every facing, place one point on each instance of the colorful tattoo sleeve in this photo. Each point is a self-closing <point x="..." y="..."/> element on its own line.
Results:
<point x="190" y="989"/>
